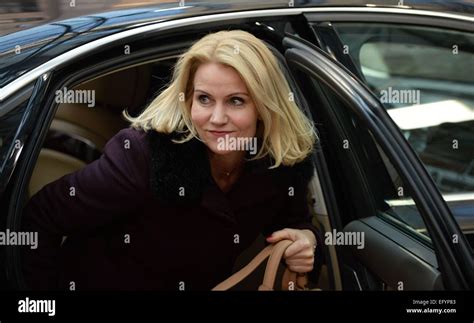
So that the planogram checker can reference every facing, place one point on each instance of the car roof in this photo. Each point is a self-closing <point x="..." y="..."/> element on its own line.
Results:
<point x="25" y="50"/>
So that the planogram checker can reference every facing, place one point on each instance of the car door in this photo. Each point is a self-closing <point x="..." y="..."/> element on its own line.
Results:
<point x="76" y="70"/>
<point x="373" y="170"/>
<point x="420" y="65"/>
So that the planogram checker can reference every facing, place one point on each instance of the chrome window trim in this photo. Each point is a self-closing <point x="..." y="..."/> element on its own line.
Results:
<point x="401" y="10"/>
<point x="30" y="76"/>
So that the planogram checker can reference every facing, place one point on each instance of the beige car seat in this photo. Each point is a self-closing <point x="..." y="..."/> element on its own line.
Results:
<point x="91" y="125"/>
<point x="50" y="166"/>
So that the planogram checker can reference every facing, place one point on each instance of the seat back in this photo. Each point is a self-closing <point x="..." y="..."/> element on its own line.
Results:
<point x="94" y="126"/>
<point x="50" y="166"/>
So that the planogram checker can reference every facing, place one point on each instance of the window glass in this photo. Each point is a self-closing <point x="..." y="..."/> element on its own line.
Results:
<point x="389" y="194"/>
<point x="424" y="77"/>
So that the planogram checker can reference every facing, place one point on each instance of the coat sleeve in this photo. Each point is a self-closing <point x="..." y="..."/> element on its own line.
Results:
<point x="94" y="196"/>
<point x="296" y="213"/>
<point x="293" y="185"/>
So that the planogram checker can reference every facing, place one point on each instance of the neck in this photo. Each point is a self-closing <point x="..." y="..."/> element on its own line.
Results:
<point x="230" y="163"/>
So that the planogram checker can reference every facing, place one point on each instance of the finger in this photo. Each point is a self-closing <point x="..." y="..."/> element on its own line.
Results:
<point x="297" y="247"/>
<point x="301" y="256"/>
<point x="300" y="262"/>
<point x="301" y="269"/>
<point x="304" y="254"/>
<point x="282" y="235"/>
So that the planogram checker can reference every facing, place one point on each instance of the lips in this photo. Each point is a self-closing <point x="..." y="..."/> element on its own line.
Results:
<point x="220" y="133"/>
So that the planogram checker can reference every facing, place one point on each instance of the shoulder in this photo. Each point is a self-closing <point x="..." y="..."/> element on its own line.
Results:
<point x="129" y="135"/>
<point x="299" y="174"/>
<point x="128" y="139"/>
<point x="128" y="149"/>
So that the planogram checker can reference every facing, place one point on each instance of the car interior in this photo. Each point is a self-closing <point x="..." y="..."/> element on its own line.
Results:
<point x="78" y="133"/>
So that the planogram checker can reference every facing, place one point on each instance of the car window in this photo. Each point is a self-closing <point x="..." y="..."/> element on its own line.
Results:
<point x="358" y="163"/>
<point x="424" y="77"/>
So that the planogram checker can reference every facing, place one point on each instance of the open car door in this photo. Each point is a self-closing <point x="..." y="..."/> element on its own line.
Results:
<point x="378" y="239"/>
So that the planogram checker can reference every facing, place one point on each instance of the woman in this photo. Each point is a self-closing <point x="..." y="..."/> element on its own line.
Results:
<point x="220" y="156"/>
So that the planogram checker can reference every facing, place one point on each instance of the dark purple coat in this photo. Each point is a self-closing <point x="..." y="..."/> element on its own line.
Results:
<point x="129" y="228"/>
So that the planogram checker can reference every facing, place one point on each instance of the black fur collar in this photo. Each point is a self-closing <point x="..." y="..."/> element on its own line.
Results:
<point x="187" y="165"/>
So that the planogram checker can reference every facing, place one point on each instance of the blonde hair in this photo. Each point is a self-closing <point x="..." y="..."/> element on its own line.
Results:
<point x="288" y="136"/>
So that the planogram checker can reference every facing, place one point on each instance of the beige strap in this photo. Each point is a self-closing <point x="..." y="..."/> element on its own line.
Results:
<point x="288" y="278"/>
<point x="275" y="252"/>
<point x="272" y="264"/>
<point x="294" y="281"/>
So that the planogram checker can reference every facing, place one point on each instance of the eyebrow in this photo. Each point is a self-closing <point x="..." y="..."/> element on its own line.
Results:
<point x="236" y="93"/>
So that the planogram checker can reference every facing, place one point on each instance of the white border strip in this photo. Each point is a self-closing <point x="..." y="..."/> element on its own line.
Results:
<point x="30" y="76"/>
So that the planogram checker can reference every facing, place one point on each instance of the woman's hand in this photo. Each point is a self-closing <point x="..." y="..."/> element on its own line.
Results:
<point x="299" y="256"/>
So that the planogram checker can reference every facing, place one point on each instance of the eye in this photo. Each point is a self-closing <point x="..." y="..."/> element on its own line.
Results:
<point x="235" y="100"/>
<point x="204" y="99"/>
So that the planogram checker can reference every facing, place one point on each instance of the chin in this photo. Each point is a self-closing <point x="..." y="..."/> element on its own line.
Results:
<point x="214" y="150"/>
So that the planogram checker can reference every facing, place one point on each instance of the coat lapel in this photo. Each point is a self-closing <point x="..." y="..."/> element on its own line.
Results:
<point x="181" y="175"/>
<point x="178" y="171"/>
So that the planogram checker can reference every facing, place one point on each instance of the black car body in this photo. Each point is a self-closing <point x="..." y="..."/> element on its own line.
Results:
<point x="414" y="205"/>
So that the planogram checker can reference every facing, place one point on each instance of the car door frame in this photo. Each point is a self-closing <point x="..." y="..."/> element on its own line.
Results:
<point x="64" y="75"/>
<point x="455" y="260"/>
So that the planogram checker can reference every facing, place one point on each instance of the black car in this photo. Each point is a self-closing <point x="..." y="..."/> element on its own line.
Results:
<point x="390" y="89"/>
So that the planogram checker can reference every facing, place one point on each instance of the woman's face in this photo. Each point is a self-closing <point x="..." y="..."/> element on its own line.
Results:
<point x="222" y="107"/>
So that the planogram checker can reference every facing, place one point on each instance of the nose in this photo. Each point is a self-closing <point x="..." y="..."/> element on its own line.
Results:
<point x="219" y="115"/>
